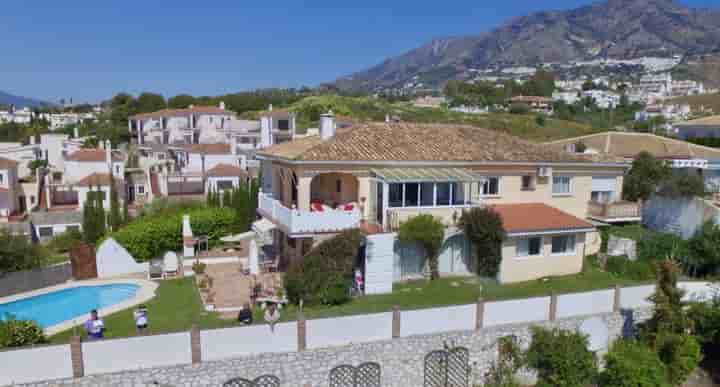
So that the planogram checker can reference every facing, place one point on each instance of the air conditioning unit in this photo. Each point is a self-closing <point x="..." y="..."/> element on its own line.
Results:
<point x="544" y="172"/>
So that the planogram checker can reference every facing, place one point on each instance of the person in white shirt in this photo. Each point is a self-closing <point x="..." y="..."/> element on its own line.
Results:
<point x="141" y="319"/>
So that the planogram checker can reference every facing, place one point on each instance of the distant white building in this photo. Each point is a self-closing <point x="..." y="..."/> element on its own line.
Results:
<point x="603" y="99"/>
<point x="569" y="97"/>
<point x="18" y="116"/>
<point x="685" y="88"/>
<point x="668" y="112"/>
<point x="60" y="120"/>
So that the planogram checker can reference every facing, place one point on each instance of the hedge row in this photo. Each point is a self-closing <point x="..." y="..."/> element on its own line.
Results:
<point x="151" y="237"/>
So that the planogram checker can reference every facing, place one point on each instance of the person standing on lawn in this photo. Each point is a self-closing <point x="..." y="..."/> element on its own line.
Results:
<point x="94" y="326"/>
<point x="141" y="319"/>
<point x="272" y="316"/>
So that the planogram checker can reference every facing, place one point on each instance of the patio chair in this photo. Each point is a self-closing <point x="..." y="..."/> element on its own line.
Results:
<point x="155" y="269"/>
<point x="170" y="265"/>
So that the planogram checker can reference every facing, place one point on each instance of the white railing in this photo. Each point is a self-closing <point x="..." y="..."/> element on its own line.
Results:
<point x="296" y="221"/>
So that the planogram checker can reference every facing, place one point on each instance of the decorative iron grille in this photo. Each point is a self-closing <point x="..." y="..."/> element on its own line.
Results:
<point x="365" y="375"/>
<point x="260" y="381"/>
<point x="447" y="368"/>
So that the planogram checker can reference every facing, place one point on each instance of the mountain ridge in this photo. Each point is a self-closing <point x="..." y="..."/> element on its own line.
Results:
<point x="620" y="29"/>
<point x="20" y="101"/>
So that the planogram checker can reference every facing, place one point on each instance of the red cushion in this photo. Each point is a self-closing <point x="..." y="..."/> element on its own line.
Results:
<point x="317" y="207"/>
<point x="349" y="207"/>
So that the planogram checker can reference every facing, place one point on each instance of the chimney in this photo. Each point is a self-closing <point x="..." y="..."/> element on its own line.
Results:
<point x="76" y="132"/>
<point x="108" y="153"/>
<point x="270" y="107"/>
<point x="221" y="105"/>
<point x="327" y="125"/>
<point x="387" y="118"/>
<point x="266" y="139"/>
<point x="31" y="140"/>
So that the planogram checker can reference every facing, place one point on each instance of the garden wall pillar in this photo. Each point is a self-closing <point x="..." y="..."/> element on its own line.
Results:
<point x="479" y="314"/>
<point x="195" y="345"/>
<point x="616" y="299"/>
<point x="76" y="357"/>
<point x="396" y="322"/>
<point x="552" y="315"/>
<point x="301" y="332"/>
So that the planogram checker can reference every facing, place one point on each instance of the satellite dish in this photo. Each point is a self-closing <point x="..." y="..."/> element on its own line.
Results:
<point x="597" y="332"/>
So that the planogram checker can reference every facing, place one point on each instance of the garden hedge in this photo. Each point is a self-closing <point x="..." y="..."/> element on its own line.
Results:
<point x="151" y="237"/>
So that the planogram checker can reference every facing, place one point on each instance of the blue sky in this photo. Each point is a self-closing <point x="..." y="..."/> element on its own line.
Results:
<point x="90" y="50"/>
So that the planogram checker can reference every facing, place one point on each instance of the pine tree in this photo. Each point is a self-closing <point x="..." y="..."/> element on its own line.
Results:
<point x="100" y="215"/>
<point x="89" y="234"/>
<point x="668" y="314"/>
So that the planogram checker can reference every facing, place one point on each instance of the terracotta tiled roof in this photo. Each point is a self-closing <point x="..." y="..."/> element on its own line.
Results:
<point x="628" y="145"/>
<point x="388" y="142"/>
<point x="210" y="149"/>
<point x="531" y="99"/>
<point x="4" y="190"/>
<point x="7" y="163"/>
<point x="537" y="217"/>
<point x="181" y="112"/>
<point x="92" y="155"/>
<point x="223" y="170"/>
<point x="96" y="179"/>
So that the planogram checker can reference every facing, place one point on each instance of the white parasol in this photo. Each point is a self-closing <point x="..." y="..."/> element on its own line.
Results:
<point x="253" y="258"/>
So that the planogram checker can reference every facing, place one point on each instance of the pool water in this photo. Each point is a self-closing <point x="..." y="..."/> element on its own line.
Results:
<point x="54" y="308"/>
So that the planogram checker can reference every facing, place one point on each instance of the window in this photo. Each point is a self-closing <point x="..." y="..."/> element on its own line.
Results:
<point x="94" y="194"/>
<point x="563" y="244"/>
<point x="117" y="169"/>
<point x="412" y="194"/>
<point x="72" y="229"/>
<point x="245" y="140"/>
<point x="443" y="194"/>
<point x="2" y="178"/>
<point x="45" y="232"/>
<point x="458" y="194"/>
<point x="338" y="186"/>
<point x="283" y="124"/>
<point x="32" y="199"/>
<point x="561" y="185"/>
<point x="427" y="194"/>
<point x="491" y="186"/>
<point x="529" y="247"/>
<point x="224" y="184"/>
<point x="141" y="189"/>
<point x="601" y="196"/>
<point x="528" y="183"/>
<point x="395" y="198"/>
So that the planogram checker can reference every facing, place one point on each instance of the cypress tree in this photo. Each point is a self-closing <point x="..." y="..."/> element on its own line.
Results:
<point x="114" y="219"/>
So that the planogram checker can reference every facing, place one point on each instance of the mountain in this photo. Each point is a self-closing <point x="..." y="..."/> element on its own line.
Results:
<point x="620" y="29"/>
<point x="9" y="99"/>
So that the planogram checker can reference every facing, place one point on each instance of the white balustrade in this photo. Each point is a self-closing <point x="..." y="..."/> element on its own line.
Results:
<point x="301" y="221"/>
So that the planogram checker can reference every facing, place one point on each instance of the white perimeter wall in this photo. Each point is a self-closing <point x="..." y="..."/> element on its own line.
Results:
<point x="137" y="352"/>
<point x="516" y="311"/>
<point x="424" y="321"/>
<point x="581" y="304"/>
<point x="35" y="364"/>
<point x="242" y="341"/>
<point x="345" y="330"/>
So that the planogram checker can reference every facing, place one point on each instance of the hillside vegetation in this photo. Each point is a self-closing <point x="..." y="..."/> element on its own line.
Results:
<point x="527" y="126"/>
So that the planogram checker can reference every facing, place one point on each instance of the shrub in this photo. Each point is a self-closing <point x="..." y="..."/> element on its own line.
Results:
<point x="18" y="253"/>
<point x="561" y="358"/>
<point x="656" y="247"/>
<point x="62" y="243"/>
<point x="633" y="364"/>
<point x="540" y="120"/>
<point x="519" y="108"/>
<point x="510" y="360"/>
<point x="705" y="318"/>
<point x="427" y="231"/>
<point x="19" y="333"/>
<point x="484" y="228"/>
<point x="150" y="237"/>
<point x="644" y="177"/>
<point x="683" y="186"/>
<point x="681" y="353"/>
<point x="704" y="251"/>
<point x="199" y="267"/>
<point x="323" y="275"/>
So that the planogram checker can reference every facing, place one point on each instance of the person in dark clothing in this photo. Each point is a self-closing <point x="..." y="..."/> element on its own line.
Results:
<point x="245" y="316"/>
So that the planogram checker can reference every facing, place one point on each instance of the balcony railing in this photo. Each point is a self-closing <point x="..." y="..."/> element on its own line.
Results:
<point x="448" y="215"/>
<point x="294" y="221"/>
<point x="615" y="211"/>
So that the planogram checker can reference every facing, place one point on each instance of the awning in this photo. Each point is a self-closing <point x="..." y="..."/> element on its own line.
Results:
<point x="418" y="175"/>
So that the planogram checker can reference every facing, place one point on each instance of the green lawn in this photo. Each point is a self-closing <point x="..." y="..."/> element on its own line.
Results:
<point x="175" y="307"/>
<point x="177" y="304"/>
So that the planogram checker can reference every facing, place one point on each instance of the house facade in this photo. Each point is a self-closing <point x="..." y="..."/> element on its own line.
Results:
<point x="9" y="188"/>
<point x="377" y="175"/>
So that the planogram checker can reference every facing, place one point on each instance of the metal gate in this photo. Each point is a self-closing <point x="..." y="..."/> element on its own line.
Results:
<point x="447" y="368"/>
<point x="364" y="375"/>
<point x="260" y="381"/>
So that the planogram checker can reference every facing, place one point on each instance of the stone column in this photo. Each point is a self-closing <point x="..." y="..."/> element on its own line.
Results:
<point x="195" y="346"/>
<point x="553" y="307"/>
<point x="616" y="299"/>
<point x="76" y="357"/>
<point x="396" y="322"/>
<point x="479" y="314"/>
<point x="301" y="332"/>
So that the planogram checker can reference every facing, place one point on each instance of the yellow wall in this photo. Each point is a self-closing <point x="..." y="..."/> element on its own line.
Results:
<point x="519" y="269"/>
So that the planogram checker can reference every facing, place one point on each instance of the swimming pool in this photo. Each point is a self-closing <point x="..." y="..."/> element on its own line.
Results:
<point x="56" y="307"/>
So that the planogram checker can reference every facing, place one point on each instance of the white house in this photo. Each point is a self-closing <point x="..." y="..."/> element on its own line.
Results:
<point x="9" y="188"/>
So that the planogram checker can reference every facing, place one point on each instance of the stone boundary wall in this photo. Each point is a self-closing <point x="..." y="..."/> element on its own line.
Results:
<point x="401" y="359"/>
<point x="27" y="280"/>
